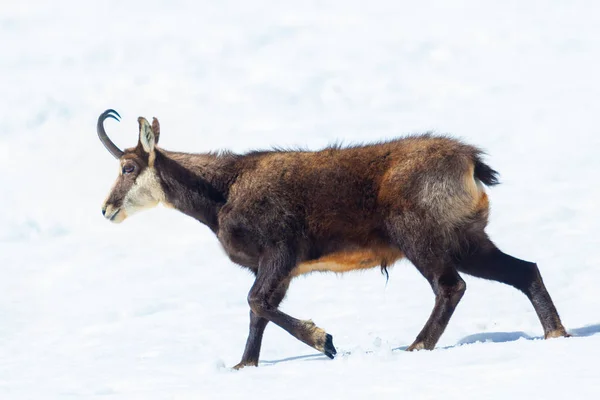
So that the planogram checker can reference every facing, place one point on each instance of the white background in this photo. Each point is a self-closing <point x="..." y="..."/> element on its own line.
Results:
<point x="153" y="309"/>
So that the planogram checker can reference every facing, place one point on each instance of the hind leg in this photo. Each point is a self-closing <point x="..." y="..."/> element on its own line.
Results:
<point x="488" y="262"/>
<point x="448" y="288"/>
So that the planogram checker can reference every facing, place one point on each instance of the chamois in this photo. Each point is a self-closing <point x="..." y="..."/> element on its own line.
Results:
<point x="287" y="213"/>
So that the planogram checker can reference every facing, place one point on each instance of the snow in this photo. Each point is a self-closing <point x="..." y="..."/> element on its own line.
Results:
<point x="152" y="308"/>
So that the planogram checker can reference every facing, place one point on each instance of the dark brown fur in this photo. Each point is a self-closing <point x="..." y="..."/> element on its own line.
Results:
<point x="280" y="213"/>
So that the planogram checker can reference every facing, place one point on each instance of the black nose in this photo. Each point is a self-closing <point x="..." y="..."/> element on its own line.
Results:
<point x="103" y="210"/>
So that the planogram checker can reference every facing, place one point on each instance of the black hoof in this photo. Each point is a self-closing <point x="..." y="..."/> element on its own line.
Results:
<point x="329" y="350"/>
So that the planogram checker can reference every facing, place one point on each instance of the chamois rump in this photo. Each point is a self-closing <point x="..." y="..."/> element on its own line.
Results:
<point x="287" y="213"/>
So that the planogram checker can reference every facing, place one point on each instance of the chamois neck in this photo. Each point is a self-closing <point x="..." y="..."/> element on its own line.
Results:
<point x="195" y="184"/>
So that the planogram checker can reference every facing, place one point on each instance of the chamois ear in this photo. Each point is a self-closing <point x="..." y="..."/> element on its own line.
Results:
<point x="147" y="137"/>
<point x="155" y="129"/>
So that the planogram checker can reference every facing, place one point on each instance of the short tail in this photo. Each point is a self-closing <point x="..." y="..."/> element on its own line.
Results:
<point x="485" y="173"/>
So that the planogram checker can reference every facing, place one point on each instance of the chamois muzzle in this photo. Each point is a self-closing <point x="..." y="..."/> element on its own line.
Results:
<point x="110" y="146"/>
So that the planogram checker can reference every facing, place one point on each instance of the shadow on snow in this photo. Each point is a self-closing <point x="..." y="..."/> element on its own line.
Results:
<point x="308" y="357"/>
<point x="484" y="337"/>
<point x="503" y="337"/>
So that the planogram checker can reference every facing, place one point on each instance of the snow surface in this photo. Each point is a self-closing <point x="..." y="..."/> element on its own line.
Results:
<point x="152" y="308"/>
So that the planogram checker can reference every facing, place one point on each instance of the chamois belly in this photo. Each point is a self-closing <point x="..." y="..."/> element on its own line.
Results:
<point x="344" y="261"/>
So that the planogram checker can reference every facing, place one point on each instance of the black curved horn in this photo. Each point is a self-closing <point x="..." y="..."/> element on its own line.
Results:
<point x="110" y="146"/>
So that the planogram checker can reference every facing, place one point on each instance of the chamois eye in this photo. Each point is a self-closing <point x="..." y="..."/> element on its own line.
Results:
<point x="128" y="169"/>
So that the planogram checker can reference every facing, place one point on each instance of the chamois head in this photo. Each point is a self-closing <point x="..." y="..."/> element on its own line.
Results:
<point x="137" y="187"/>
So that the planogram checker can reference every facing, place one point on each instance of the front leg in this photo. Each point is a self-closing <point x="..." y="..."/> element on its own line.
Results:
<point x="257" y="328"/>
<point x="274" y="268"/>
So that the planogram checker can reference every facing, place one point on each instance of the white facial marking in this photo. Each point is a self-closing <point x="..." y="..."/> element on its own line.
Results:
<point x="145" y="193"/>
